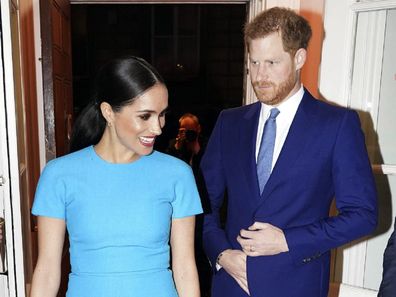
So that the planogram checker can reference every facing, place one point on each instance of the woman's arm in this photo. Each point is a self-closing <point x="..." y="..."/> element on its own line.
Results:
<point x="46" y="276"/>
<point x="183" y="259"/>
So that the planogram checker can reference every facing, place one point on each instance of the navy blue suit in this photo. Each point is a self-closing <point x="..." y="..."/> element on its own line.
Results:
<point x="388" y="284"/>
<point x="324" y="156"/>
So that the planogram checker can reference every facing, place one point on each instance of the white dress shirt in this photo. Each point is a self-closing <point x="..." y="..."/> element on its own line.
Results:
<point x="287" y="110"/>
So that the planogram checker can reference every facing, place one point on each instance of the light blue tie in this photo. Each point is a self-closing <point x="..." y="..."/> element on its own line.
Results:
<point x="264" y="159"/>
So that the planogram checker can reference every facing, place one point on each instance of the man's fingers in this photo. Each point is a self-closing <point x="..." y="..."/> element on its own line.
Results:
<point x="246" y="234"/>
<point x="244" y="241"/>
<point x="247" y="245"/>
<point x="243" y="284"/>
<point x="258" y="226"/>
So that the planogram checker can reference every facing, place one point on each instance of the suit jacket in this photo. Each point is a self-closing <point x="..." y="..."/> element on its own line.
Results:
<point x="388" y="284"/>
<point x="324" y="156"/>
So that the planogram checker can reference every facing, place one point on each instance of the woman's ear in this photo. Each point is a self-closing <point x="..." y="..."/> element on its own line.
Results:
<point x="107" y="112"/>
<point x="300" y="57"/>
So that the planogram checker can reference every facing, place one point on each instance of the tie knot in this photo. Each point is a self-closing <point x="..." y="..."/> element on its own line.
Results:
<point x="274" y="113"/>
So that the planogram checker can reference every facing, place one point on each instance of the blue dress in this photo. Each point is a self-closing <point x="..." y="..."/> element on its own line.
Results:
<point x="118" y="217"/>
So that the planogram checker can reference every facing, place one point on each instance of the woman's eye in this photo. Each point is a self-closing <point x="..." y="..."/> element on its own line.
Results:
<point x="145" y="117"/>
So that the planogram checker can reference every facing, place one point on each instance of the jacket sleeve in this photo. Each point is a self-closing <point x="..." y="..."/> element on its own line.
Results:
<point x="355" y="195"/>
<point x="214" y="238"/>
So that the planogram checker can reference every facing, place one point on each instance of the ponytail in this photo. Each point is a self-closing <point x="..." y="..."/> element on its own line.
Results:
<point x="88" y="128"/>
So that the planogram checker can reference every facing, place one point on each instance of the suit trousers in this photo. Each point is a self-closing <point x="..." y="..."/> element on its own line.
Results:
<point x="388" y="284"/>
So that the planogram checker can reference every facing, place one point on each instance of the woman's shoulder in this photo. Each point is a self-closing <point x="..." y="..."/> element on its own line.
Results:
<point x="70" y="160"/>
<point x="169" y="162"/>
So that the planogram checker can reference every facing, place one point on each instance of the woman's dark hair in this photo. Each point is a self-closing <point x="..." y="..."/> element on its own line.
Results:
<point x="118" y="83"/>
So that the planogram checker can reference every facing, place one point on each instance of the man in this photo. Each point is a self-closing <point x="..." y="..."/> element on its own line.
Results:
<point x="188" y="144"/>
<point x="388" y="284"/>
<point x="281" y="180"/>
<point x="189" y="147"/>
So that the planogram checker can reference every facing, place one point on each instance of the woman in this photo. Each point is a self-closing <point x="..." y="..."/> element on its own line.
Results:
<point x="120" y="201"/>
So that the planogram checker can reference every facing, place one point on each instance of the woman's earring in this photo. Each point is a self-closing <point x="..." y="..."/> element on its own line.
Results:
<point x="108" y="124"/>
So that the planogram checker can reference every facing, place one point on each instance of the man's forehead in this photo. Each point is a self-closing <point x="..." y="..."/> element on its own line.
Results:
<point x="188" y="122"/>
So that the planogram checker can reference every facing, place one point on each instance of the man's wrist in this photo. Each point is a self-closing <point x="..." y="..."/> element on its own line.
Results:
<point x="218" y="259"/>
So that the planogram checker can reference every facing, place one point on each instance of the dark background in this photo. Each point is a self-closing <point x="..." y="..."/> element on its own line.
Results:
<point x="198" y="49"/>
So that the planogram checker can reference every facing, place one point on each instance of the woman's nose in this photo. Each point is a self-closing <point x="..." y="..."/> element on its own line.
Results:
<point x="156" y="128"/>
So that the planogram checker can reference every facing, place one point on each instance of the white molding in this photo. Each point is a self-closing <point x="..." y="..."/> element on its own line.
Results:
<point x="385" y="169"/>
<point x="4" y="191"/>
<point x="354" y="291"/>
<point x="12" y="205"/>
<point x="337" y="51"/>
<point x="354" y="264"/>
<point x="370" y="5"/>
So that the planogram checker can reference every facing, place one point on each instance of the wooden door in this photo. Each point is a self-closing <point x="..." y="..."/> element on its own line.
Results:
<point x="57" y="89"/>
<point x="57" y="75"/>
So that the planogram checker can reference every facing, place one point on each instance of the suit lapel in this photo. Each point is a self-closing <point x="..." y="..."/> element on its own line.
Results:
<point x="247" y="147"/>
<point x="298" y="136"/>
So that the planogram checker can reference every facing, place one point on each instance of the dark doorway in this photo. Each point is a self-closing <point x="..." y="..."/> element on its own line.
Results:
<point x="197" y="48"/>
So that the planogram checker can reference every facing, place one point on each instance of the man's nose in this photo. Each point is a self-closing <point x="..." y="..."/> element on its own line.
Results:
<point x="262" y="73"/>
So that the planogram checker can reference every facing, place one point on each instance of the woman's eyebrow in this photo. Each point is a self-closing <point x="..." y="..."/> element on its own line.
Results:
<point x="152" y="111"/>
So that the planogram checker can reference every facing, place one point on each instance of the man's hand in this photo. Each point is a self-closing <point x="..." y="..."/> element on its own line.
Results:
<point x="234" y="262"/>
<point x="262" y="239"/>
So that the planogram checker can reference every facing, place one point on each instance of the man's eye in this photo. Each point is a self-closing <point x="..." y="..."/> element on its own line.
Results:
<point x="145" y="117"/>
<point x="254" y="62"/>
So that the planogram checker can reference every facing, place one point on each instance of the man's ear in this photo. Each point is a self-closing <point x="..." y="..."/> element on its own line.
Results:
<point x="107" y="112"/>
<point x="300" y="57"/>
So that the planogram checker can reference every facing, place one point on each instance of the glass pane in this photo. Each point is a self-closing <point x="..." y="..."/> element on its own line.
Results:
<point x="188" y="54"/>
<point x="188" y="19"/>
<point x="163" y="19"/>
<point x="387" y="103"/>
<point x="164" y="55"/>
<point x="373" y="95"/>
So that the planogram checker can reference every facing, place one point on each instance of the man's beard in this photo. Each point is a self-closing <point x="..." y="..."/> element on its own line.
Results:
<point x="276" y="93"/>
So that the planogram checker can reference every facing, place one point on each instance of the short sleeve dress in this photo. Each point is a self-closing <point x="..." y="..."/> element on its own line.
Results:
<point x="118" y="217"/>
